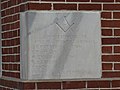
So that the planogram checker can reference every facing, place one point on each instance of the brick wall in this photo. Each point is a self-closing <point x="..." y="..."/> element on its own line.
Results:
<point x="110" y="37"/>
<point x="11" y="36"/>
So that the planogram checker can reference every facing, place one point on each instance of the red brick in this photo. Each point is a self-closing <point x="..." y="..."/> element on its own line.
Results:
<point x="11" y="42"/>
<point x="12" y="2"/>
<point x="117" y="32"/>
<point x="15" y="25"/>
<point x="11" y="58"/>
<point x="10" y="34"/>
<point x="74" y="84"/>
<point x="23" y="0"/>
<point x="110" y="41"/>
<point x="107" y="49"/>
<point x="18" y="32"/>
<point x="110" y="23"/>
<point x="3" y="13"/>
<point x="54" y="0"/>
<point x="117" y="66"/>
<point x="23" y="7"/>
<point x="116" y="15"/>
<point x="111" y="58"/>
<point x="4" y="51"/>
<point x="2" y="0"/>
<point x="65" y="6"/>
<point x="111" y="6"/>
<point x="11" y="11"/>
<point x="17" y="9"/>
<point x="102" y="0"/>
<point x="5" y="35"/>
<point x="98" y="84"/>
<point x="110" y="74"/>
<point x="5" y="88"/>
<point x="116" y="49"/>
<point x="77" y="0"/>
<point x="27" y="85"/>
<point x="49" y="85"/>
<point x="106" y="66"/>
<point x="37" y="6"/>
<point x="11" y="74"/>
<point x="16" y="50"/>
<point x="32" y="0"/>
<point x="15" y="67"/>
<point x="106" y="15"/>
<point x="11" y="84"/>
<point x="6" y="27"/>
<point x="9" y="3"/>
<point x="8" y="19"/>
<point x="116" y="83"/>
<point x="16" y="17"/>
<point x="106" y="32"/>
<point x="2" y="21"/>
<point x="4" y="5"/>
<point x="117" y="0"/>
<point x="89" y="6"/>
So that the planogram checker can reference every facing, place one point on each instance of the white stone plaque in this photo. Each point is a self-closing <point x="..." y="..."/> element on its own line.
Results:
<point x="60" y="45"/>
